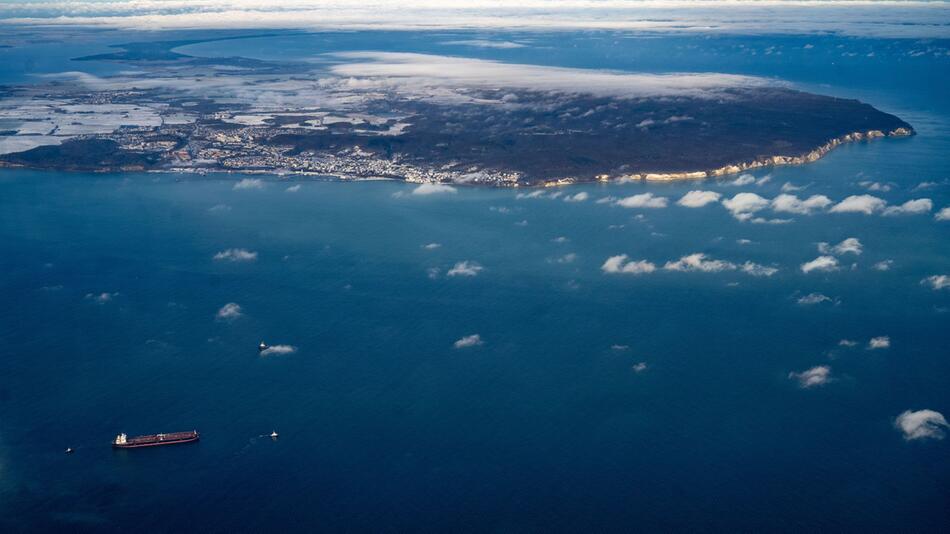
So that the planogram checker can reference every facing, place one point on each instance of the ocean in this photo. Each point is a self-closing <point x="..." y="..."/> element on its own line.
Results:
<point x="589" y="400"/>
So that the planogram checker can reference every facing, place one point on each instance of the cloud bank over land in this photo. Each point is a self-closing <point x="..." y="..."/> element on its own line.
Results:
<point x="858" y="18"/>
<point x="417" y="74"/>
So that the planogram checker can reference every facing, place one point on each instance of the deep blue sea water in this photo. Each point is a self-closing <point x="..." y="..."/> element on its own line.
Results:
<point x="384" y="426"/>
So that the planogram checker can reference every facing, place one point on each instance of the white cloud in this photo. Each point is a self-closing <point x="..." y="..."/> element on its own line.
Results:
<point x="786" y="203"/>
<point x="912" y="19"/>
<point x="560" y="239"/>
<point x="465" y="268"/>
<point x="431" y="246"/>
<point x="219" y="208"/>
<point x="821" y="264"/>
<point x="937" y="281"/>
<point x="579" y="197"/>
<point x="744" y="205"/>
<point x="943" y="214"/>
<point x="101" y="298"/>
<point x="249" y="183"/>
<point x="880" y="342"/>
<point x="278" y="350"/>
<point x="698" y="199"/>
<point x="816" y="376"/>
<point x="789" y="187"/>
<point x="621" y="264"/>
<point x="567" y="258"/>
<point x="293" y="189"/>
<point x="484" y="43"/>
<point x="911" y="207"/>
<point x="883" y="265"/>
<point x="921" y="424"/>
<point x="643" y="200"/>
<point x="813" y="298"/>
<point x="866" y="204"/>
<point x="875" y="186"/>
<point x="417" y="75"/>
<point x="755" y="269"/>
<point x="743" y="179"/>
<point x="699" y="262"/>
<point x="639" y="367"/>
<point x="619" y="347"/>
<point x="236" y="254"/>
<point x="537" y="193"/>
<point x="847" y="343"/>
<point x="850" y="245"/>
<point x="229" y="311"/>
<point x="430" y="188"/>
<point x="468" y="341"/>
<point x="762" y="220"/>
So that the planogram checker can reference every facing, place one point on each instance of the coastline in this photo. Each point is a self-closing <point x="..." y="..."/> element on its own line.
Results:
<point x="765" y="161"/>
<point x="734" y="168"/>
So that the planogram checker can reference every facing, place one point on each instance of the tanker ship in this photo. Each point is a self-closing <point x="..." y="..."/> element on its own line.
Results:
<point x="123" y="441"/>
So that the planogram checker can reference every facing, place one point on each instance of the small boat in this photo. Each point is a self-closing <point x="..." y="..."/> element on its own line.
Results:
<point x="123" y="441"/>
<point x="273" y="435"/>
<point x="69" y="450"/>
<point x="262" y="347"/>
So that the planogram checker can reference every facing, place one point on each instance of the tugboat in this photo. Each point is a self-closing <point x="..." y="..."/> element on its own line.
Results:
<point x="262" y="347"/>
<point x="123" y="441"/>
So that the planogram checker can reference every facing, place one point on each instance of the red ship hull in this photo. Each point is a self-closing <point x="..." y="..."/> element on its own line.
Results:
<point x="157" y="440"/>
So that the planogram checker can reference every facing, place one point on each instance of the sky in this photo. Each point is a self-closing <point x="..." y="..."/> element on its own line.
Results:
<point x="911" y="19"/>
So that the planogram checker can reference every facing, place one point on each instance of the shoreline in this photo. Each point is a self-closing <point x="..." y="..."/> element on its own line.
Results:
<point x="773" y="161"/>
<point x="735" y="168"/>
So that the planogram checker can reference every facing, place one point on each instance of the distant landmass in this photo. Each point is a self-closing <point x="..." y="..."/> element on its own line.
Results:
<point x="389" y="116"/>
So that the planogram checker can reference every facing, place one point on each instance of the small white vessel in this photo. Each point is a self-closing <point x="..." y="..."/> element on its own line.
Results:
<point x="262" y="347"/>
<point x="273" y="434"/>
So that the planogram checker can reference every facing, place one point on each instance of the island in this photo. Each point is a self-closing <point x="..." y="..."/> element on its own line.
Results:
<point x="419" y="118"/>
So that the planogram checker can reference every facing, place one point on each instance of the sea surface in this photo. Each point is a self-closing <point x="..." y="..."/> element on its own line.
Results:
<point x="110" y="292"/>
